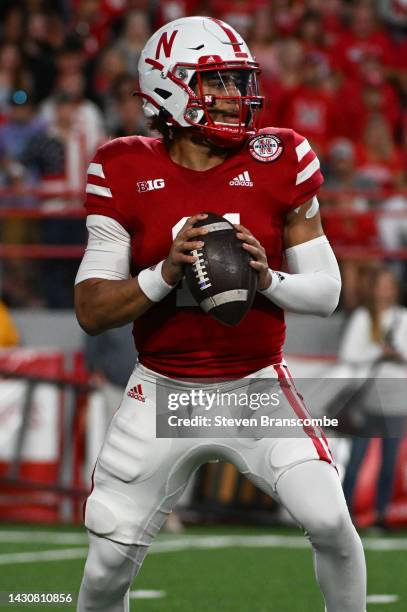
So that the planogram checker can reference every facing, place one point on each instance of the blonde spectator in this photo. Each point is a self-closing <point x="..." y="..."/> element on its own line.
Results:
<point x="375" y="345"/>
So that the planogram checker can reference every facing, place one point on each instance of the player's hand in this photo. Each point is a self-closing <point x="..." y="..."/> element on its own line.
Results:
<point x="186" y="241"/>
<point x="258" y="252"/>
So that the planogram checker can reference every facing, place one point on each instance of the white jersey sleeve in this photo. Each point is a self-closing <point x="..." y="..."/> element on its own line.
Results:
<point x="108" y="251"/>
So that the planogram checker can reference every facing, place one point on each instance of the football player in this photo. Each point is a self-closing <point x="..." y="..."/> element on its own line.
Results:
<point x="198" y="81"/>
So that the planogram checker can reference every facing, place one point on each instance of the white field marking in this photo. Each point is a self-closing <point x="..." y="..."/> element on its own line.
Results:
<point x="180" y="544"/>
<point x="48" y="537"/>
<point x="140" y="594"/>
<point x="43" y="555"/>
<point x="382" y="599"/>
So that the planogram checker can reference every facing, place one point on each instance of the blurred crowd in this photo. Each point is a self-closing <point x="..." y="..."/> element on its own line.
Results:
<point x="334" y="70"/>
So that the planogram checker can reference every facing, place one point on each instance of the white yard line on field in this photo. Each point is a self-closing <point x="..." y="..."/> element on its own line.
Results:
<point x="53" y="537"/>
<point x="46" y="537"/>
<point x="382" y="599"/>
<point x="181" y="543"/>
<point x="43" y="555"/>
<point x="140" y="594"/>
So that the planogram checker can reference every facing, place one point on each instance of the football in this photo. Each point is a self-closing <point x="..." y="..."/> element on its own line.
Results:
<point x="221" y="280"/>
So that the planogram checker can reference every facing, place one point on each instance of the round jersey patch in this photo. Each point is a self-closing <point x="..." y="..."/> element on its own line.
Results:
<point x="266" y="148"/>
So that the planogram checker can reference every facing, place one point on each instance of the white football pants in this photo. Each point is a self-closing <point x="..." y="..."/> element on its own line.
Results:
<point x="139" y="478"/>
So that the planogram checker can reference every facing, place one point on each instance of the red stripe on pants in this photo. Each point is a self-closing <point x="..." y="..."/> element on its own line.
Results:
<point x="301" y="402"/>
<point x="300" y="412"/>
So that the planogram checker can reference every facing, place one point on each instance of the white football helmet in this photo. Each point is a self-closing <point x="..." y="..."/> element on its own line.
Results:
<point x="172" y="70"/>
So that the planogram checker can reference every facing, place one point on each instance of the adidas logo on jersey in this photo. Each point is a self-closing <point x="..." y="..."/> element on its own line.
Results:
<point x="242" y="180"/>
<point x="136" y="393"/>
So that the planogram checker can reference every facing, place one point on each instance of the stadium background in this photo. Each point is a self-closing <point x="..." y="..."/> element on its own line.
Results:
<point x="336" y="71"/>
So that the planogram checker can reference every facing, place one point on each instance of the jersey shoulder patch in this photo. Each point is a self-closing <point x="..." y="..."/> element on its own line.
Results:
<point x="268" y="145"/>
<point x="298" y="163"/>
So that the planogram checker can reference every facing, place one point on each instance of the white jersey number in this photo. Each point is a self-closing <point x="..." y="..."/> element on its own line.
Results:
<point x="184" y="297"/>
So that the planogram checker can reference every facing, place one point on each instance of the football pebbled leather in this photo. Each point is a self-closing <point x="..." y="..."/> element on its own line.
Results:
<point x="221" y="280"/>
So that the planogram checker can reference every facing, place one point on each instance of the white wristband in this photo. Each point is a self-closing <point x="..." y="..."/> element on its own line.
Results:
<point x="152" y="284"/>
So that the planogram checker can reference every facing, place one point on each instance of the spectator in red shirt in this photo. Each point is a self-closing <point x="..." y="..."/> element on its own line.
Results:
<point x="331" y="15"/>
<point x="278" y="87"/>
<point x="404" y="141"/>
<point x="378" y="157"/>
<point x="92" y="25"/>
<point x="364" y="37"/>
<point x="348" y="222"/>
<point x="168" y="10"/>
<point x="262" y="42"/>
<point x="400" y="72"/>
<point x="368" y="95"/>
<point x="286" y="15"/>
<point x="239" y="14"/>
<point x="313" y="36"/>
<point x="309" y="109"/>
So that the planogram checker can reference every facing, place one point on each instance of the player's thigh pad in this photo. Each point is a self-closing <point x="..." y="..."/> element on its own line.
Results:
<point x="131" y="450"/>
<point x="132" y="486"/>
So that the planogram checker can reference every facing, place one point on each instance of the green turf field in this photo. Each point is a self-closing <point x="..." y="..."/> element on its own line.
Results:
<point x="217" y="569"/>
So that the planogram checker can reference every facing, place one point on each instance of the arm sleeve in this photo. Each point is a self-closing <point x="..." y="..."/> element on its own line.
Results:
<point x="108" y="251"/>
<point x="313" y="285"/>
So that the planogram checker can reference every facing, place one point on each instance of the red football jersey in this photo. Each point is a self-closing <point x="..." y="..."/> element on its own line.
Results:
<point x="151" y="197"/>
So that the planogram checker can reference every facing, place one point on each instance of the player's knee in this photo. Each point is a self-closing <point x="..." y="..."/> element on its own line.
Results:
<point x="106" y="579"/>
<point x="330" y="529"/>
<point x="95" y="578"/>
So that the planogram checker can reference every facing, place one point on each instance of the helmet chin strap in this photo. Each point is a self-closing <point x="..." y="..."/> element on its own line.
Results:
<point x="216" y="143"/>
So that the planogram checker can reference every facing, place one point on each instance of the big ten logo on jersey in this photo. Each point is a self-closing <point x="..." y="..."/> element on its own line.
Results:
<point x="150" y="185"/>
<point x="184" y="296"/>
